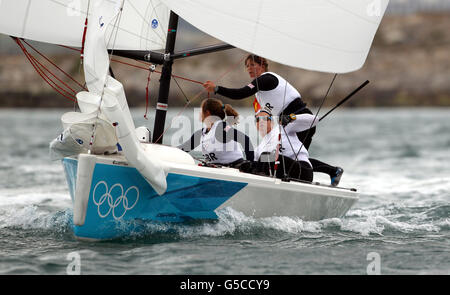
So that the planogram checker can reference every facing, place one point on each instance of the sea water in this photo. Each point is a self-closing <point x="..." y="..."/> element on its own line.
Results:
<point x="398" y="159"/>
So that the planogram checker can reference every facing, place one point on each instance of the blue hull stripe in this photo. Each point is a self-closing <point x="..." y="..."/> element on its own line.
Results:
<point x="120" y="199"/>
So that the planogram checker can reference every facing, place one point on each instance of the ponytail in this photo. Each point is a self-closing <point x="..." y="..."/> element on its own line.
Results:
<point x="232" y="115"/>
<point x="224" y="111"/>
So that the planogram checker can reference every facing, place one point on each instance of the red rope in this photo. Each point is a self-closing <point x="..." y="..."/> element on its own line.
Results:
<point x="56" y="66"/>
<point x="139" y="67"/>
<point x="146" y="68"/>
<point x="277" y="154"/>
<point x="147" y="94"/>
<point x="84" y="38"/>
<point x="48" y="71"/>
<point x="36" y="65"/>
<point x="43" y="68"/>
<point x="199" y="93"/>
<point x="71" y="48"/>
<point x="176" y="76"/>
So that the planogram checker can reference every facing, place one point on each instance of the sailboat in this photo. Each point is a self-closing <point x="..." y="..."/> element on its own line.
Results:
<point x="118" y="177"/>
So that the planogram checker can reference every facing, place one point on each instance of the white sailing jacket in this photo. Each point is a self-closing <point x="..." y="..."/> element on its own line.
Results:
<point x="290" y="145"/>
<point x="217" y="152"/>
<point x="277" y="99"/>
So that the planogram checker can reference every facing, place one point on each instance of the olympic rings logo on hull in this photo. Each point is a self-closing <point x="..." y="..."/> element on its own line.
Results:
<point x="104" y="199"/>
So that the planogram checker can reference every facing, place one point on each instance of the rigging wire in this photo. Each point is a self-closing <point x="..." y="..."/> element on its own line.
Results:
<point x="41" y="70"/>
<point x="280" y="144"/>
<point x="151" y="69"/>
<point x="199" y="93"/>
<point x="114" y="32"/>
<point x="56" y="66"/>
<point x="83" y="39"/>
<point x="315" y="117"/>
<point x="181" y="89"/>
<point x="139" y="67"/>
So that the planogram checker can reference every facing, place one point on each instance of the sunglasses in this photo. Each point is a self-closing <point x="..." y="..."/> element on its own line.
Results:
<point x="264" y="118"/>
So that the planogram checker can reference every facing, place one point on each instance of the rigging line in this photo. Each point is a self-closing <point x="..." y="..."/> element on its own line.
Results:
<point x="158" y="72"/>
<point x="160" y="45"/>
<point x="42" y="68"/>
<point x="150" y="71"/>
<point x="315" y="117"/>
<point x="117" y="21"/>
<point x="185" y="96"/>
<point x="68" y="47"/>
<point x="46" y="79"/>
<point x="56" y="66"/>
<point x="198" y="95"/>
<point x="280" y="138"/>
<point x="39" y="68"/>
<point x="163" y="30"/>
<point x="180" y="112"/>
<point x="257" y="87"/>
<point x="139" y="67"/>
<point x="83" y="38"/>
<point x="139" y="36"/>
<point x="230" y="69"/>
<point x="48" y="71"/>
<point x="282" y="114"/>
<point x="345" y="99"/>
<point x="146" y="22"/>
<point x="256" y="79"/>
<point x="134" y="34"/>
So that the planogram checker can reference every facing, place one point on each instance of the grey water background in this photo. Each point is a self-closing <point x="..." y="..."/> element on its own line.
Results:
<point x="398" y="159"/>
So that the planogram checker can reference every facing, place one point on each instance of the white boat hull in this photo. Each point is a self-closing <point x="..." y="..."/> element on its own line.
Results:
<point x="307" y="204"/>
<point x="112" y="199"/>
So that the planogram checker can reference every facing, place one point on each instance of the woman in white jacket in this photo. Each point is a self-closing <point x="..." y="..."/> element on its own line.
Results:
<point x="221" y="143"/>
<point x="282" y="154"/>
<point x="276" y="95"/>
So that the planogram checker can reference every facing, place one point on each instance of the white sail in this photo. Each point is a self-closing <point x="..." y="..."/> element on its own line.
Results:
<point x="322" y="35"/>
<point x="101" y="34"/>
<point x="149" y="166"/>
<point x="143" y="25"/>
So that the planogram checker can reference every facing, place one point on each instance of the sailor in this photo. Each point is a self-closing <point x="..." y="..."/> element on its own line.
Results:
<point x="277" y="96"/>
<point x="285" y="155"/>
<point x="221" y="143"/>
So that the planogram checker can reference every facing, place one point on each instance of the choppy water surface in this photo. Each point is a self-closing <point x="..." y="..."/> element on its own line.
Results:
<point x="399" y="159"/>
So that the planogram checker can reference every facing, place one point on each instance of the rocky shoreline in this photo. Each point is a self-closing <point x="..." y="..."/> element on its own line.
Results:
<point x="409" y="65"/>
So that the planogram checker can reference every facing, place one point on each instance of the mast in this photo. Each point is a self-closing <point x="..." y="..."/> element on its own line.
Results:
<point x="164" y="86"/>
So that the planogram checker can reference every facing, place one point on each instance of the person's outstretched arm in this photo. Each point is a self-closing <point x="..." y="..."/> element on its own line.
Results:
<point x="264" y="82"/>
<point x="301" y="123"/>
